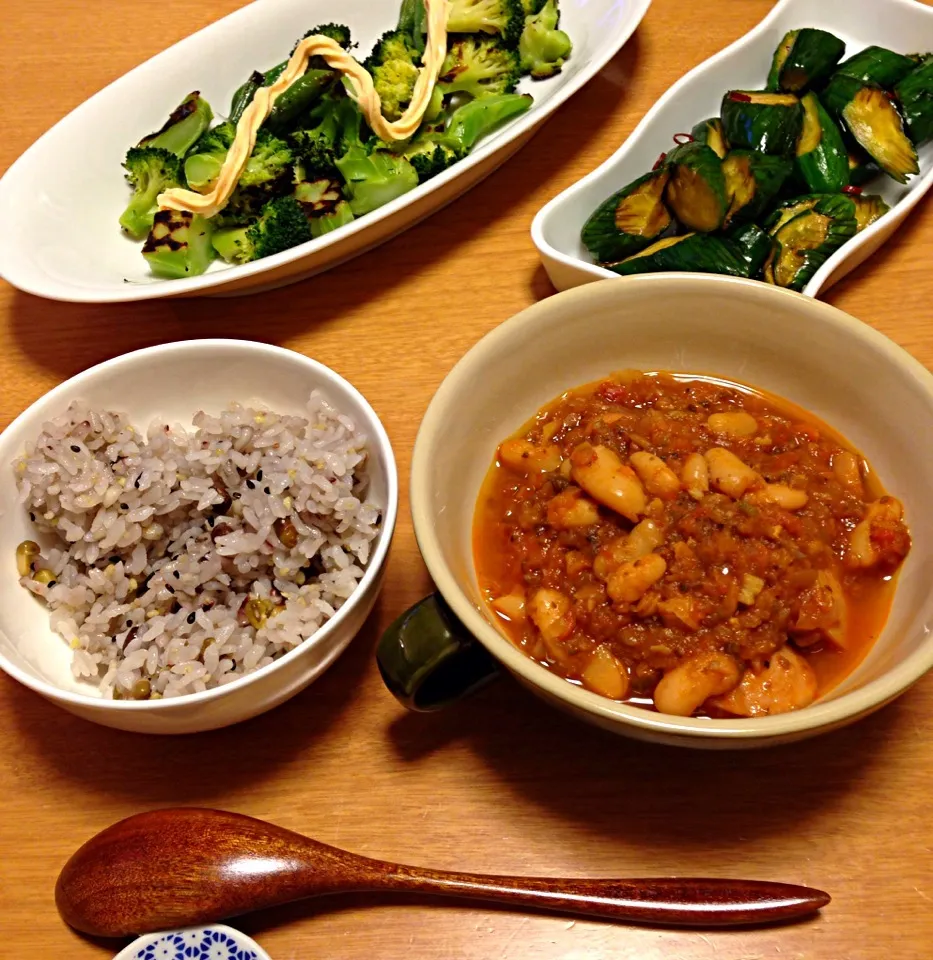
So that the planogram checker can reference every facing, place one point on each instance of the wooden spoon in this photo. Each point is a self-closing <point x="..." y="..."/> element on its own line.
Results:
<point x="188" y="866"/>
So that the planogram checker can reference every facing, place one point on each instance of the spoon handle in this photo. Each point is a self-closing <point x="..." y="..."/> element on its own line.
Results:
<point x="700" y="902"/>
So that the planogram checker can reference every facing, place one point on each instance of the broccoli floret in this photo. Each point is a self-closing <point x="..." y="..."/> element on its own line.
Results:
<point x="481" y="67"/>
<point x="532" y="6"/>
<point x="431" y="153"/>
<point x="316" y="148"/>
<point x="207" y="156"/>
<point x="281" y="226"/>
<point x="150" y="171"/>
<point x="543" y="48"/>
<point x="504" y="17"/>
<point x="336" y="31"/>
<point x="268" y="174"/>
<point x="373" y="175"/>
<point x="184" y="127"/>
<point x="179" y="244"/>
<point x="323" y="204"/>
<point x="393" y="64"/>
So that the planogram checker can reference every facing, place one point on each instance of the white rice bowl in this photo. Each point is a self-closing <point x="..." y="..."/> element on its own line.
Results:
<point x="169" y="574"/>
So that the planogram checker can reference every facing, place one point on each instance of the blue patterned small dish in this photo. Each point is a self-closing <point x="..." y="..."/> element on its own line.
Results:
<point x="215" y="942"/>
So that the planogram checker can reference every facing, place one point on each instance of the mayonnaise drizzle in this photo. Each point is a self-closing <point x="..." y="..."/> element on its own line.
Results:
<point x="362" y="90"/>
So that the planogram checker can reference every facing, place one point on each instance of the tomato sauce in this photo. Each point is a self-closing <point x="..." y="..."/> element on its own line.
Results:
<point x="656" y="521"/>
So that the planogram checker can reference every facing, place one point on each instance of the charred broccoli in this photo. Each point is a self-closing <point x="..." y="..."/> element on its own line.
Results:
<point x="393" y="64"/>
<point x="504" y="17"/>
<point x="373" y="175"/>
<point x="543" y="48"/>
<point x="480" y="66"/>
<point x="336" y="31"/>
<point x="323" y="204"/>
<point x="316" y="148"/>
<point x="150" y="171"/>
<point x="179" y="244"/>
<point x="282" y="225"/>
<point x="207" y="156"/>
<point x="268" y="174"/>
<point x="184" y="127"/>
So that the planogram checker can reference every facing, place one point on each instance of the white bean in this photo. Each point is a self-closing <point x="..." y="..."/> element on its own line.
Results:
<point x="631" y="581"/>
<point x="571" y="508"/>
<point x="600" y="472"/>
<point x="780" y="495"/>
<point x="787" y="682"/>
<point x="695" y="476"/>
<point x="551" y="613"/>
<point x="736" y="423"/>
<point x="523" y="456"/>
<point x="656" y="476"/>
<point x="691" y="683"/>
<point x="728" y="474"/>
<point x="605" y="675"/>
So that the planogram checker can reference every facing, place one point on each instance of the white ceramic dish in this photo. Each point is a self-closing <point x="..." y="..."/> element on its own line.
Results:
<point x="216" y="942"/>
<point x="61" y="238"/>
<point x="902" y="25"/>
<point x="174" y="382"/>
<point x="842" y="370"/>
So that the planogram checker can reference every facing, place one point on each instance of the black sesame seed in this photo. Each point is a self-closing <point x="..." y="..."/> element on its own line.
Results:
<point x="259" y="476"/>
<point x="129" y="623"/>
<point x="176" y="606"/>
<point x="176" y="575"/>
<point x="124" y="506"/>
<point x="191" y="617"/>
<point x="136" y="481"/>
<point x="170" y="588"/>
<point x="75" y="448"/>
<point x="251" y="485"/>
<point x="114" y="559"/>
<point x="52" y="584"/>
<point x="267" y="491"/>
<point x="32" y="517"/>
<point x="236" y="496"/>
<point x="211" y="521"/>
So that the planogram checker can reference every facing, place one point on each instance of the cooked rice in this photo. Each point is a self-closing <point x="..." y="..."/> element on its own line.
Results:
<point x="154" y="565"/>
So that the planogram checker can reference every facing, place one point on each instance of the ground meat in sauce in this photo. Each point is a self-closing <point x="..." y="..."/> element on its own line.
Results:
<point x="634" y="576"/>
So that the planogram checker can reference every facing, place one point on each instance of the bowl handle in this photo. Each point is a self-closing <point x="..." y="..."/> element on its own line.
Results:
<point x="428" y="658"/>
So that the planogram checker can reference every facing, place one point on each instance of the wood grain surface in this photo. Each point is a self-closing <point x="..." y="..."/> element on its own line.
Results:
<point x="501" y="783"/>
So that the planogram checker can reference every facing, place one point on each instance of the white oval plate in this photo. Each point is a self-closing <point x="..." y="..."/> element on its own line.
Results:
<point x="61" y="238"/>
<point x="902" y="25"/>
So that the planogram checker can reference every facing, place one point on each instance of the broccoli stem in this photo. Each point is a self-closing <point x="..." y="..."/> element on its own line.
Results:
<point x="479" y="117"/>
<point x="179" y="245"/>
<point x="184" y="127"/>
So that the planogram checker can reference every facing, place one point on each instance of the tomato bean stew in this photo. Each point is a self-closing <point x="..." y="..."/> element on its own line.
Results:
<point x="688" y="544"/>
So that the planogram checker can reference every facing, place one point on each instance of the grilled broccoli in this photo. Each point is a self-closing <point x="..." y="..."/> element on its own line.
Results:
<point x="480" y="66"/>
<point x="268" y="174"/>
<point x="323" y="204"/>
<point x="150" y="171"/>
<point x="543" y="48"/>
<point x="373" y="175"/>
<point x="431" y="153"/>
<point x="393" y="64"/>
<point x="281" y="226"/>
<point x="479" y="117"/>
<point x="336" y="31"/>
<point x="207" y="156"/>
<point x="504" y="17"/>
<point x="316" y="148"/>
<point x="179" y="244"/>
<point x="184" y="127"/>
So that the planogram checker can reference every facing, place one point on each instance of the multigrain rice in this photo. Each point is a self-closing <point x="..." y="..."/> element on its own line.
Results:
<point x="185" y="559"/>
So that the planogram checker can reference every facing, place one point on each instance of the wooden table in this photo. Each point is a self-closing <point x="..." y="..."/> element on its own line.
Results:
<point x="502" y="782"/>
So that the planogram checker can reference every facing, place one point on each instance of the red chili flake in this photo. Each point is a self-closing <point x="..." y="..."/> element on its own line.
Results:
<point x="740" y="97"/>
<point x="659" y="161"/>
<point x="681" y="138"/>
<point x="853" y="191"/>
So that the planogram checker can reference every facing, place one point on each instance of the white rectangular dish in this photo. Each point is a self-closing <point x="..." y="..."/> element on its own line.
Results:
<point x="61" y="238"/>
<point x="902" y="25"/>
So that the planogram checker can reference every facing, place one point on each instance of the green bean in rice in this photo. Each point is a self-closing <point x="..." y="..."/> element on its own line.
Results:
<point x="178" y="561"/>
